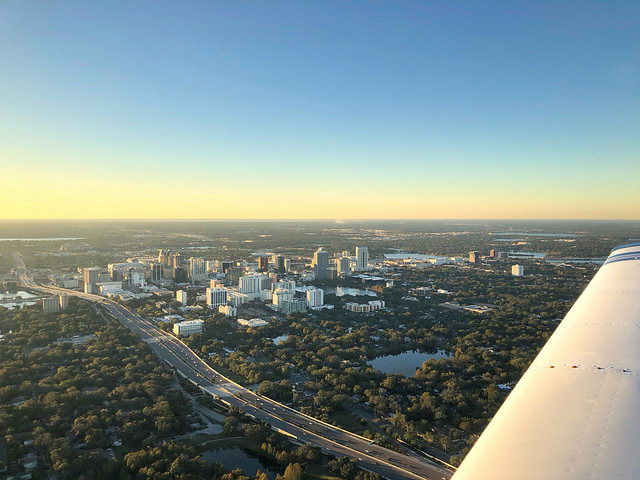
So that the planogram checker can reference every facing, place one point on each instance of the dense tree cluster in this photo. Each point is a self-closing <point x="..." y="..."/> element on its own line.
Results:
<point x="348" y="469"/>
<point x="170" y="461"/>
<point x="74" y="401"/>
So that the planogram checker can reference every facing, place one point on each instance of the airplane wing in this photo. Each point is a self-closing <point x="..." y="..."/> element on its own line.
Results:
<point x="575" y="414"/>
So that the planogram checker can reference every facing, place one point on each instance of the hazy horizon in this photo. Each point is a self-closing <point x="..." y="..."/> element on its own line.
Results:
<point x="333" y="220"/>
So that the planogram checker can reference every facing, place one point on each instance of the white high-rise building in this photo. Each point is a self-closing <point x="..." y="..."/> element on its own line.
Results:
<point x="136" y="278"/>
<point x="281" y="295"/>
<point x="181" y="296"/>
<point x="236" y="299"/>
<point x="342" y="265"/>
<point x="216" y="297"/>
<point x="249" y="284"/>
<point x="315" y="297"/>
<point x="254" y="283"/>
<point x="197" y="269"/>
<point x="517" y="270"/>
<point x="286" y="284"/>
<point x="362" y="258"/>
<point x="320" y="263"/>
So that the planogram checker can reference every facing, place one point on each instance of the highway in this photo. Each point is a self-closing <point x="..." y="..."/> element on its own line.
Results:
<point x="290" y="422"/>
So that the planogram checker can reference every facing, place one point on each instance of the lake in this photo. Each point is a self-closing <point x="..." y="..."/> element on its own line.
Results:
<point x="44" y="239"/>
<point x="542" y="235"/>
<point x="413" y="256"/>
<point x="405" y="363"/>
<point x="342" y="291"/>
<point x="10" y="300"/>
<point x="232" y="458"/>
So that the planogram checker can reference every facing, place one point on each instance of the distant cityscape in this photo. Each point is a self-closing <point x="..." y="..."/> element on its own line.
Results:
<point x="280" y="283"/>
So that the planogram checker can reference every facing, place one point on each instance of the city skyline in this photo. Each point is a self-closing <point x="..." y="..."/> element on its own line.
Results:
<point x="349" y="111"/>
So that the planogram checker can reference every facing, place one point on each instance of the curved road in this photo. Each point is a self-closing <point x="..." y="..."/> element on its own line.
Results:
<point x="305" y="429"/>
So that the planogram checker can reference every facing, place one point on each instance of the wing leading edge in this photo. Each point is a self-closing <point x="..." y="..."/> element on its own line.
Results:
<point x="575" y="414"/>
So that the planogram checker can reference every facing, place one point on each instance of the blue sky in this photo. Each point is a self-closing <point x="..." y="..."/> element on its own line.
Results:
<point x="368" y="109"/>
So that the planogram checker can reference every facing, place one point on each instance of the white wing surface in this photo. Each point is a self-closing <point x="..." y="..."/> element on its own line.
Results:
<point x="575" y="414"/>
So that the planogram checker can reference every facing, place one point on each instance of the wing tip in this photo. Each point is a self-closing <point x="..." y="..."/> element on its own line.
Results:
<point x="626" y="245"/>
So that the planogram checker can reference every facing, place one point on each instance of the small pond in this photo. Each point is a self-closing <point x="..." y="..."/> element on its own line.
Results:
<point x="405" y="363"/>
<point x="232" y="458"/>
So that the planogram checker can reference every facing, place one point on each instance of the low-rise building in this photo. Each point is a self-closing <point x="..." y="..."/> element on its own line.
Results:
<point x="109" y="287"/>
<point x="236" y="299"/>
<point x="370" y="306"/>
<point x="65" y="281"/>
<point x="228" y="310"/>
<point x="254" y="322"/>
<point x="189" y="327"/>
<point x="294" y="306"/>
<point x="75" y="340"/>
<point x="284" y="284"/>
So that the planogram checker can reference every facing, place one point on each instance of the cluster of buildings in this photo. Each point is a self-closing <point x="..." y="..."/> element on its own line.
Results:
<point x="494" y="256"/>
<point x="175" y="267"/>
<point x="233" y="283"/>
<point x="341" y="266"/>
<point x="280" y="294"/>
<point x="226" y="284"/>
<point x="476" y="257"/>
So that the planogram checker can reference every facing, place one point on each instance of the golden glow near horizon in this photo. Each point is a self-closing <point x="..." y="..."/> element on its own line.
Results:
<point x="57" y="194"/>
